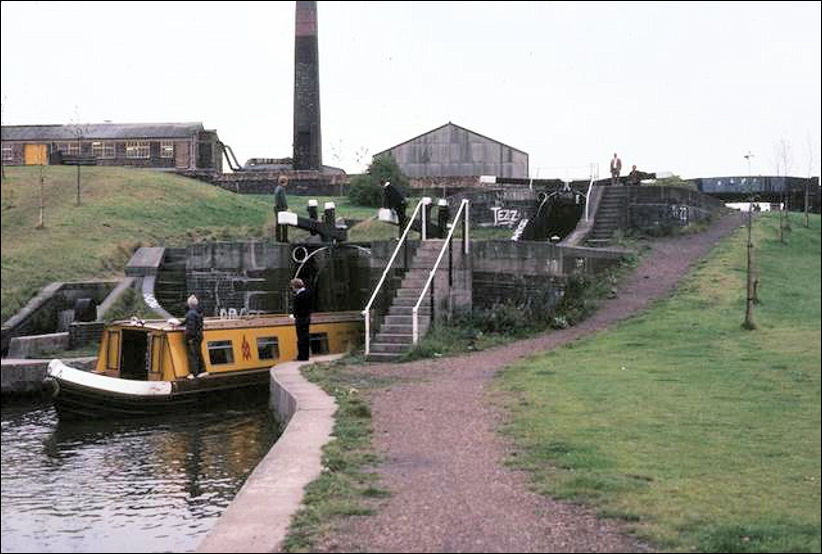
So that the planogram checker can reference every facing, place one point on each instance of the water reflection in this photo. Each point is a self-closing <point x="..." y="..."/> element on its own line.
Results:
<point x="145" y="485"/>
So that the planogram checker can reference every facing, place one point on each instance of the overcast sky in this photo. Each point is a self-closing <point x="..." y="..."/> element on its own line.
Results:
<point x="682" y="87"/>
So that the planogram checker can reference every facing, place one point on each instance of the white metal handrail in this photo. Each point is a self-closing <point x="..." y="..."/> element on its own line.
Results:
<point x="588" y="198"/>
<point x="415" y="332"/>
<point x="424" y="201"/>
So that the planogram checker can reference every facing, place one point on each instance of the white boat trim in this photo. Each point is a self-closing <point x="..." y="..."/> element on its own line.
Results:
<point x="58" y="370"/>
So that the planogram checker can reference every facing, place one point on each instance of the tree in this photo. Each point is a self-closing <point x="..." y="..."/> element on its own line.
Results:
<point x="782" y="153"/>
<point x="365" y="189"/>
<point x="80" y="131"/>
<point x="750" y="298"/>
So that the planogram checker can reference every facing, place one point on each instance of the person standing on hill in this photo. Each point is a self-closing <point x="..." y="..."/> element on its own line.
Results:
<point x="280" y="205"/>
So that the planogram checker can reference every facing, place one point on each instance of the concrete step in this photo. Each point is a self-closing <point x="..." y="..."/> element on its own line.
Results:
<point x="398" y="320"/>
<point x="388" y="348"/>
<point x="408" y="300"/>
<point x="425" y="309"/>
<point x="383" y="338"/>
<point x="390" y="329"/>
<point x="382" y="357"/>
<point x="410" y="292"/>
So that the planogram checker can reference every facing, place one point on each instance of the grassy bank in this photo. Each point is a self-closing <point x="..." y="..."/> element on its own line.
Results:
<point x="701" y="435"/>
<point x="120" y="210"/>
<point x="346" y="486"/>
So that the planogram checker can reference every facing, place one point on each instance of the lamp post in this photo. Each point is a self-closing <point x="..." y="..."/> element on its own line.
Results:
<point x="748" y="157"/>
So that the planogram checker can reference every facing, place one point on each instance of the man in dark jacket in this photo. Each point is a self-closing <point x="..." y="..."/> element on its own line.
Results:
<point x="194" y="339"/>
<point x="302" y="306"/>
<point x="393" y="200"/>
<point x="280" y="205"/>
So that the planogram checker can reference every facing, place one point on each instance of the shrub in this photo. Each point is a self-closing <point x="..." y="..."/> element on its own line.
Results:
<point x="365" y="189"/>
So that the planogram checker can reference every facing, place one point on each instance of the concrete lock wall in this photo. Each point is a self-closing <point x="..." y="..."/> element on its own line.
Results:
<point x="654" y="209"/>
<point x="42" y="313"/>
<point x="501" y="207"/>
<point x="504" y="270"/>
<point x="254" y="275"/>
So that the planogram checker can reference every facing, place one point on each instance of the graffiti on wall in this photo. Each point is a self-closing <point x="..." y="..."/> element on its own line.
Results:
<point x="505" y="217"/>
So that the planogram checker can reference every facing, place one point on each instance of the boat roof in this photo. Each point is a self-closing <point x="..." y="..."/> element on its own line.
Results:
<point x="261" y="320"/>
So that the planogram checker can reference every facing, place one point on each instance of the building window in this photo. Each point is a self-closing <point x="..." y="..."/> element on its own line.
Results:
<point x="166" y="149"/>
<point x="102" y="149"/>
<point x="268" y="348"/>
<point x="8" y="153"/>
<point x="220" y="352"/>
<point x="69" y="148"/>
<point x="138" y="149"/>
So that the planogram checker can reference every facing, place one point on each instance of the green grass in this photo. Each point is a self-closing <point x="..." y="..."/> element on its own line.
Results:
<point x="346" y="486"/>
<point x="121" y="209"/>
<point x="700" y="435"/>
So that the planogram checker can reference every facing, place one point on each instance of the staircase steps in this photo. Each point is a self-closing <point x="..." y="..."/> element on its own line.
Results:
<point x="394" y="335"/>
<point x="610" y="216"/>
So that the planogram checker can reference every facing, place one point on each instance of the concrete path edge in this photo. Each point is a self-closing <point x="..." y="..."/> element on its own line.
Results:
<point x="258" y="518"/>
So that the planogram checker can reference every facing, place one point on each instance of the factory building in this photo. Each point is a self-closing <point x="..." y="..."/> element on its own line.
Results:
<point x="173" y="146"/>
<point x="454" y="151"/>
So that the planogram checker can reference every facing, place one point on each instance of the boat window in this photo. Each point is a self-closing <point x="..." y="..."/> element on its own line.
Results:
<point x="319" y="343"/>
<point x="220" y="352"/>
<point x="113" y="353"/>
<point x="268" y="348"/>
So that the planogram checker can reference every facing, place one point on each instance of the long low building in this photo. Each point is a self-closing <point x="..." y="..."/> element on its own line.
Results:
<point x="170" y="146"/>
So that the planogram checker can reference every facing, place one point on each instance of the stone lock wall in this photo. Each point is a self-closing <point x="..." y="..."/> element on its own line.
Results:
<point x="656" y="210"/>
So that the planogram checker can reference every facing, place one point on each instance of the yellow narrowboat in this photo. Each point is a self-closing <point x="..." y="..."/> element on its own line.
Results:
<point x="142" y="367"/>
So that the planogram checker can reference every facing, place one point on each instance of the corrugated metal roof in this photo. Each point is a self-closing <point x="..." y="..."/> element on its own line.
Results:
<point x="104" y="131"/>
<point x="442" y="127"/>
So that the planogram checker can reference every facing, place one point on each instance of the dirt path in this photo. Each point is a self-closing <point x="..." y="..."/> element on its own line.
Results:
<point x="443" y="459"/>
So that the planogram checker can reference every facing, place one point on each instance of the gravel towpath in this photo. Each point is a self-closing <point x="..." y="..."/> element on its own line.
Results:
<point x="443" y="460"/>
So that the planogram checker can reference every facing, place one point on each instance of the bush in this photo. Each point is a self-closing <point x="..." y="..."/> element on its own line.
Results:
<point x="365" y="189"/>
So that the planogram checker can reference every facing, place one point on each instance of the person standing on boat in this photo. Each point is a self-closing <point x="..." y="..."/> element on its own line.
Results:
<point x="302" y="317"/>
<point x="280" y="205"/>
<point x="194" y="338"/>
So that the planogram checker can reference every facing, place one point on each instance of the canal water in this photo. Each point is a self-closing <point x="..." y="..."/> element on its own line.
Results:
<point x="143" y="485"/>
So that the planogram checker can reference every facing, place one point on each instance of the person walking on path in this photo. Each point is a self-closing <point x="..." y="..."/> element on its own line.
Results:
<point x="194" y="338"/>
<point x="280" y="205"/>
<point x="302" y="317"/>
<point x="616" y="169"/>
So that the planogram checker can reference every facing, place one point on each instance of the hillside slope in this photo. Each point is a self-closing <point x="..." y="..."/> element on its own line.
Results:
<point x="120" y="210"/>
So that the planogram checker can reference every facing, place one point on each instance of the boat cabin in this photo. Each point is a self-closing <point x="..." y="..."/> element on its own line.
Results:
<point x="156" y="351"/>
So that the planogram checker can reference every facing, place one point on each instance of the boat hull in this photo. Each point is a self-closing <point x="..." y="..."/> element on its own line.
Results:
<point x="78" y="394"/>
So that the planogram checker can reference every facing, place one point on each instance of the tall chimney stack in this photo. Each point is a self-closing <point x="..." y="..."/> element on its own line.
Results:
<point x="308" y="152"/>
